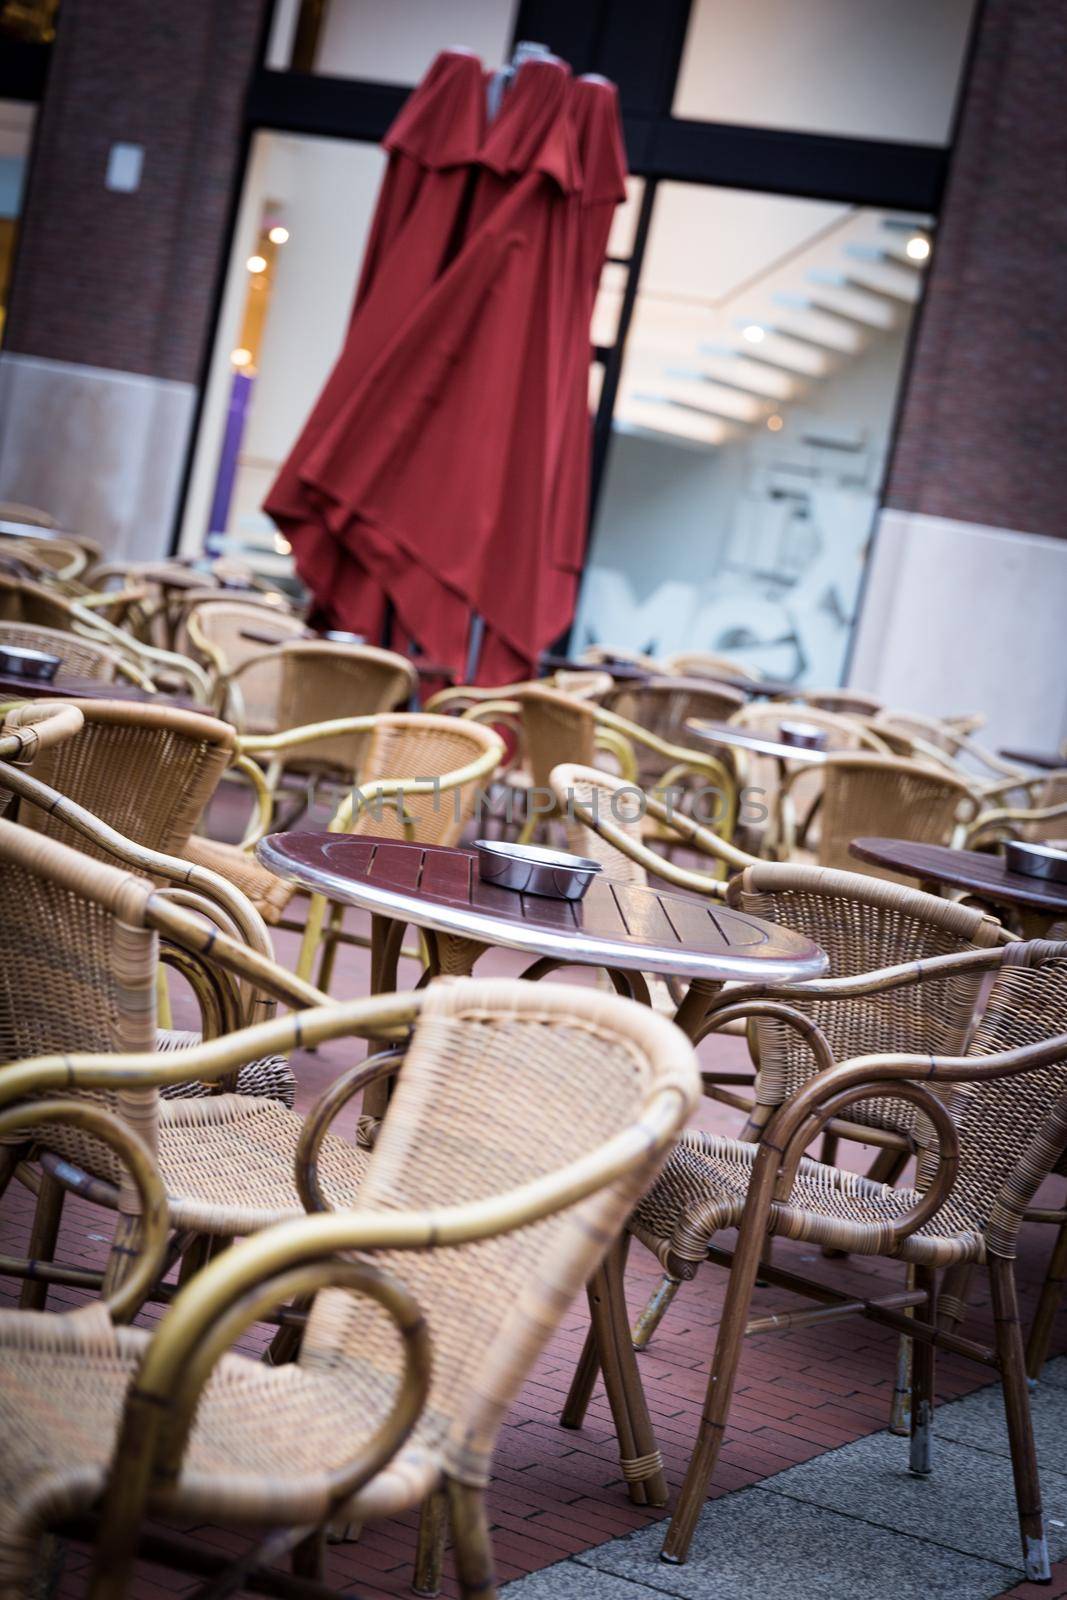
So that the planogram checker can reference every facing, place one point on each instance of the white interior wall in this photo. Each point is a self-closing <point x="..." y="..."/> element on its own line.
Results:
<point x="875" y="69"/>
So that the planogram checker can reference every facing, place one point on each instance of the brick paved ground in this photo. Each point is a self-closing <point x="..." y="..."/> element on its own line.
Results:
<point x="556" y="1493"/>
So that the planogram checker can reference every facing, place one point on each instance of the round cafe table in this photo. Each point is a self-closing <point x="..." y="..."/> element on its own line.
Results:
<point x="1038" y="902"/>
<point x="724" y="733"/>
<point x="619" y="926"/>
<point x="1044" y="760"/>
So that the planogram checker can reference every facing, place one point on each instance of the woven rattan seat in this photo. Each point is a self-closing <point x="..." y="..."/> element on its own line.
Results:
<point x="228" y="1163"/>
<point x="705" y="1184"/>
<point x="269" y="895"/>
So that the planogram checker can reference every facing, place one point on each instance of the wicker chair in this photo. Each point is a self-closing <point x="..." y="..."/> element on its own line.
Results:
<point x="81" y="658"/>
<point x="527" y="1120"/>
<point x="557" y="728"/>
<point x="764" y="775"/>
<point x="871" y="795"/>
<point x="53" y="557"/>
<point x="846" y="702"/>
<point x="665" y="706"/>
<point x="215" y="629"/>
<point x="1044" y="819"/>
<point x="704" y="664"/>
<point x="983" y="1155"/>
<point x="81" y="940"/>
<point x="869" y="929"/>
<point x="421" y="778"/>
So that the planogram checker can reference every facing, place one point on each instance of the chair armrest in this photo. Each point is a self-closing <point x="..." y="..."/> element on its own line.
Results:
<point x="636" y="850"/>
<point x="201" y="1325"/>
<point x="35" y="726"/>
<point x="322" y="1114"/>
<point x="880" y="981"/>
<point x="126" y="1300"/>
<point x="998" y="823"/>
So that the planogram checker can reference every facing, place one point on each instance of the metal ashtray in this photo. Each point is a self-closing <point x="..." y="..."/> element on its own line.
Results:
<point x="802" y="735"/>
<point x="1037" y="861"/>
<point x="29" y="663"/>
<point x="529" y="869"/>
<point x="338" y="636"/>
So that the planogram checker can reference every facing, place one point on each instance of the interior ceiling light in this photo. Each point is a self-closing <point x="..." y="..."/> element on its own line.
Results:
<point x="775" y="423"/>
<point x="256" y="263"/>
<point x="917" y="247"/>
<point x="241" y="357"/>
<point x="278" y="235"/>
<point x="753" y="333"/>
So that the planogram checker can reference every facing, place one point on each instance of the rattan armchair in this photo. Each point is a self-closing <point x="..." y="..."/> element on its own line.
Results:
<point x="216" y="631"/>
<point x="766" y="775"/>
<point x="421" y="778"/>
<point x="1045" y="818"/>
<point x="984" y="1151"/>
<point x="556" y="728"/>
<point x="863" y="794"/>
<point x="527" y="1120"/>
<point x="871" y="930"/>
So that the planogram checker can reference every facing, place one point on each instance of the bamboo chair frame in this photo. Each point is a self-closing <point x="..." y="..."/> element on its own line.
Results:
<point x="1003" y="823"/>
<point x="589" y="685"/>
<point x="706" y="664"/>
<point x="777" y="1164"/>
<point x="591" y="1184"/>
<point x="227" y="697"/>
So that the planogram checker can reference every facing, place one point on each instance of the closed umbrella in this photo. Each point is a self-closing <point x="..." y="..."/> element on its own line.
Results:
<point x="445" y="464"/>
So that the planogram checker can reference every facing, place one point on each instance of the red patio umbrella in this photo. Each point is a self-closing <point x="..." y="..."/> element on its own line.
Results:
<point x="445" y="464"/>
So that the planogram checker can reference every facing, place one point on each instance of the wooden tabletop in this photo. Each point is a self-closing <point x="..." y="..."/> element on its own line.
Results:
<point x="1045" y="760"/>
<point x="724" y="733"/>
<point x="616" y="925"/>
<point x="983" y="875"/>
<point x="65" y="686"/>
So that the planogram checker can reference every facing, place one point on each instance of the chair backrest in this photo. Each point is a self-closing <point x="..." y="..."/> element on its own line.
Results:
<point x="664" y="706"/>
<point x="23" y="600"/>
<point x="582" y="685"/>
<point x="323" y="680"/>
<point x="504" y="1083"/>
<point x="82" y="658"/>
<point x="217" y="630"/>
<point x="603" y="795"/>
<point x="420" y="745"/>
<point x="555" y="727"/>
<point x="850" y="702"/>
<point x="704" y="664"/>
<point x="864" y="924"/>
<point x="52" y="557"/>
<point x="13" y="511"/>
<point x="146" y="770"/>
<point x="865" y="794"/>
<point x="1000" y="1123"/>
<point x="77" y="973"/>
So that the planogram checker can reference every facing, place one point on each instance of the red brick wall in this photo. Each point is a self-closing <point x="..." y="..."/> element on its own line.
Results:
<point x="984" y="420"/>
<point x="126" y="280"/>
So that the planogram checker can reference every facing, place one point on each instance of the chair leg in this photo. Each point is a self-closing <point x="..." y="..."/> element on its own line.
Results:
<point x="430" y="1551"/>
<point x="582" y="1385"/>
<point x="308" y="1558"/>
<point x="900" y="1405"/>
<point x="639" y="1457"/>
<point x="1051" y="1294"/>
<point x="658" y="1304"/>
<point x="329" y="947"/>
<point x="923" y="1362"/>
<point x="1012" y="1358"/>
<point x="472" y="1544"/>
<point x="43" y="1236"/>
<point x="10" y="1156"/>
<point x="702" y="1463"/>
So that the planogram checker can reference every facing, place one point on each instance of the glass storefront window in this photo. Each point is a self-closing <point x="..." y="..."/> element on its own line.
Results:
<point x="16" y="133"/>
<point x="385" y="44"/>
<point x="869" y="69"/>
<point x="305" y="212"/>
<point x="751" y="428"/>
